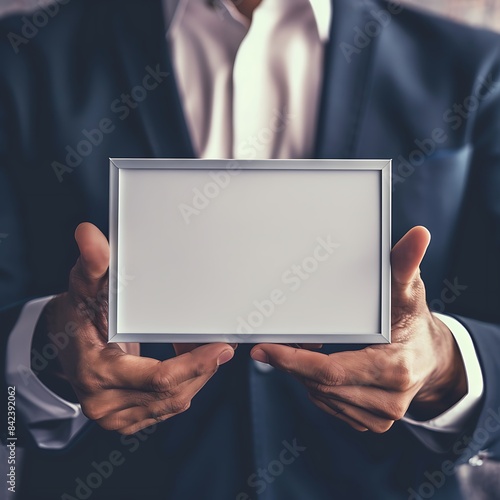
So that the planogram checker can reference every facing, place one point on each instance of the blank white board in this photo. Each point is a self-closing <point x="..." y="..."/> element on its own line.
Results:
<point x="249" y="251"/>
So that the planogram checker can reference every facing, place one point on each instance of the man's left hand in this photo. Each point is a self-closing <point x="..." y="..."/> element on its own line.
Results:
<point x="421" y="370"/>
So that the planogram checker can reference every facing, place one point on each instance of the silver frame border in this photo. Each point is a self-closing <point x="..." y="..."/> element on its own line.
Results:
<point x="384" y="166"/>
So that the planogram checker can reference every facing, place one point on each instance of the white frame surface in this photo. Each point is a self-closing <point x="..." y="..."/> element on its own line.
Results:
<point x="383" y="335"/>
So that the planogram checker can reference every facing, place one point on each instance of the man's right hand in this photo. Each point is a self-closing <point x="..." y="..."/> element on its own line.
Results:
<point x="119" y="390"/>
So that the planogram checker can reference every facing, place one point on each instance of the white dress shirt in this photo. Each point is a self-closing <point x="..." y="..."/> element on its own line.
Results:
<point x="248" y="91"/>
<point x="242" y="100"/>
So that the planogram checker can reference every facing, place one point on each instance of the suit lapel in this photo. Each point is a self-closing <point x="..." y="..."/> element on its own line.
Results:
<point x="142" y="49"/>
<point x="345" y="81"/>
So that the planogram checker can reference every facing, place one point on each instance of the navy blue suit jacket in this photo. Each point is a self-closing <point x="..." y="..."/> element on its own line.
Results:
<point x="422" y="91"/>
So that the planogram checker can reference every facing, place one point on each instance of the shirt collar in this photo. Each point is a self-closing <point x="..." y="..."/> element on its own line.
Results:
<point x="322" y="10"/>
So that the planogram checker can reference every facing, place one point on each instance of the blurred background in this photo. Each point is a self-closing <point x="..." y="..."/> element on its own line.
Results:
<point x="484" y="13"/>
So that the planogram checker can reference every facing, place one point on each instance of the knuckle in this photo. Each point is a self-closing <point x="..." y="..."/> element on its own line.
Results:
<point x="318" y="388"/>
<point x="403" y="376"/>
<point x="381" y="427"/>
<point x="179" y="405"/>
<point x="163" y="382"/>
<point x="144" y="400"/>
<point x="330" y="375"/>
<point x="93" y="411"/>
<point x="395" y="410"/>
<point x="111" y="424"/>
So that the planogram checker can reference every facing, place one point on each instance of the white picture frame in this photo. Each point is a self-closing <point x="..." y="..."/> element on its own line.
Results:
<point x="285" y="251"/>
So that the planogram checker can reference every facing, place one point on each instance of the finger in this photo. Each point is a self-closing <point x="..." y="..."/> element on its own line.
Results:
<point x="344" y="368"/>
<point x="183" y="348"/>
<point x="379" y="402"/>
<point x="338" y="414"/>
<point x="129" y="419"/>
<point x="407" y="255"/>
<point x="111" y="401"/>
<point x="151" y="375"/>
<point x="138" y="415"/>
<point x="159" y="410"/>
<point x="361" y="417"/>
<point x="94" y="252"/>
<point x="132" y="429"/>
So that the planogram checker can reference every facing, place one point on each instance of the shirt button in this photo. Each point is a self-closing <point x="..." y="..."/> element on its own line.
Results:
<point x="476" y="461"/>
<point x="262" y="367"/>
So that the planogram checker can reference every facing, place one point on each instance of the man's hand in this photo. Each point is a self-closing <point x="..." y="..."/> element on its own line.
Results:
<point x="119" y="390"/>
<point x="371" y="388"/>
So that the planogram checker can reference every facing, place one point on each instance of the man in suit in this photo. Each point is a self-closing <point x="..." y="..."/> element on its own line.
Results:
<point x="365" y="80"/>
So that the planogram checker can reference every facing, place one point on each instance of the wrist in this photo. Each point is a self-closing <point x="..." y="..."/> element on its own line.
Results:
<point x="46" y="348"/>
<point x="447" y="382"/>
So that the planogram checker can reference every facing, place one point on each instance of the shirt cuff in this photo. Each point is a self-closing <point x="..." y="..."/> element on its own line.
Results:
<point x="52" y="421"/>
<point x="455" y="418"/>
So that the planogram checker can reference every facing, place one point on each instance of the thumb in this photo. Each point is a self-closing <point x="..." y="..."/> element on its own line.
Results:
<point x="94" y="251"/>
<point x="407" y="255"/>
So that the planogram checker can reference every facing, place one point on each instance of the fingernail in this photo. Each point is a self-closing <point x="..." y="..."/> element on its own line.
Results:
<point x="260" y="355"/>
<point x="225" y="356"/>
<point x="234" y="346"/>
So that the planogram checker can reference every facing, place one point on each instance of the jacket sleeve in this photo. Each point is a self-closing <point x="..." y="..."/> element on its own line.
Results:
<point x="477" y="259"/>
<point x="481" y="316"/>
<point x="42" y="418"/>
